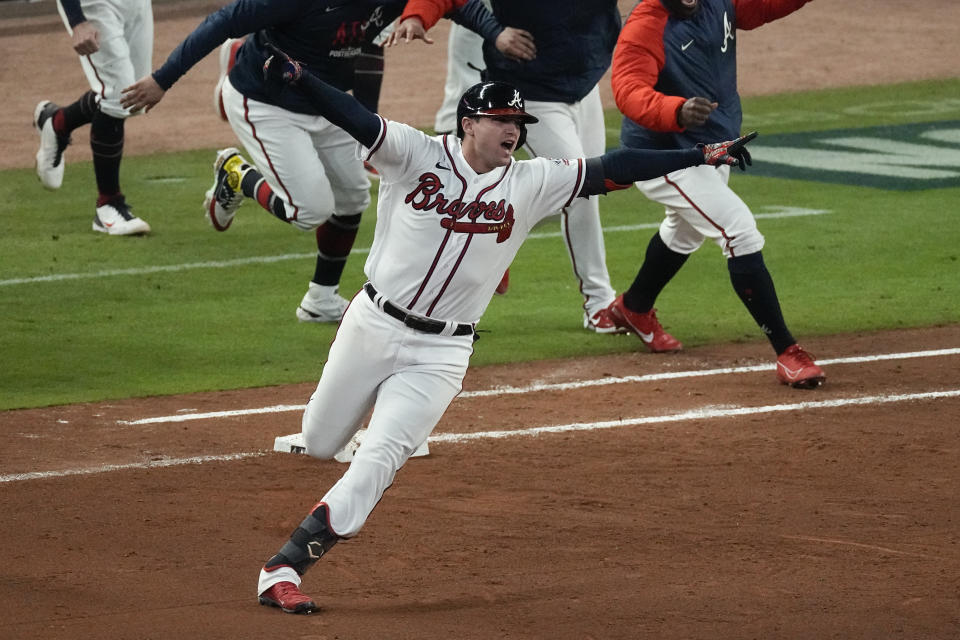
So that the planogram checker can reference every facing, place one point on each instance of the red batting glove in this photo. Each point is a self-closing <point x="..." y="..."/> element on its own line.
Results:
<point x="731" y="152"/>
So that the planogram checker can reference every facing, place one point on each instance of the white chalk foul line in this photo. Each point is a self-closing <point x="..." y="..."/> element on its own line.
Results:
<point x="673" y="375"/>
<point x="152" y="464"/>
<point x="693" y="414"/>
<point x="776" y="212"/>
<point x="562" y="386"/>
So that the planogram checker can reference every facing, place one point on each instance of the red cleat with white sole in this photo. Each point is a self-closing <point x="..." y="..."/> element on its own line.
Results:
<point x="645" y="326"/>
<point x="288" y="597"/>
<point x="602" y="322"/>
<point x="796" y="368"/>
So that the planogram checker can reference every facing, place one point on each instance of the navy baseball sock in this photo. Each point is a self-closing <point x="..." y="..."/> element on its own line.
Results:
<point x="658" y="268"/>
<point x="106" y="142"/>
<point x="335" y="239"/>
<point x="75" y="115"/>
<point x="253" y="185"/>
<point x="753" y="284"/>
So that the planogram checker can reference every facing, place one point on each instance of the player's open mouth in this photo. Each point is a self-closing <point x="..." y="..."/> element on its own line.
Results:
<point x="508" y="144"/>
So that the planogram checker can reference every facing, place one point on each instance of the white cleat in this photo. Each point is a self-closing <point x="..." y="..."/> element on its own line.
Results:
<point x="114" y="218"/>
<point x="320" y="305"/>
<point x="224" y="198"/>
<point x="50" y="162"/>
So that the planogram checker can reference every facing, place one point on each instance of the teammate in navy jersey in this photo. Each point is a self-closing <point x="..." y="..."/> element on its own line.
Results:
<point x="675" y="80"/>
<point x="452" y="212"/>
<point x="304" y="170"/>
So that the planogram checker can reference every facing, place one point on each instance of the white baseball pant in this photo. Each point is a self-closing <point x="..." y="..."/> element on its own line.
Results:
<point x="311" y="164"/>
<point x="700" y="205"/>
<point x="126" y="48"/>
<point x="577" y="131"/>
<point x="408" y="377"/>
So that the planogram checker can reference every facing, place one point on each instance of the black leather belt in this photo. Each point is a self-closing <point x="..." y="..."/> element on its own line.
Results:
<point x="417" y="323"/>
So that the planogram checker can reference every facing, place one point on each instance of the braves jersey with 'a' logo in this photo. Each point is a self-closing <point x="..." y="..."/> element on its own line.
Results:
<point x="660" y="61"/>
<point x="444" y="233"/>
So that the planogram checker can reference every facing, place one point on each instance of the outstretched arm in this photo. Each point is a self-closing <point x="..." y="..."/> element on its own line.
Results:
<point x="338" y="107"/>
<point x="419" y="16"/>
<point x="620" y="168"/>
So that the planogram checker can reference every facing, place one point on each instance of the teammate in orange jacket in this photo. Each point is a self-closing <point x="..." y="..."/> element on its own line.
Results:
<point x="675" y="80"/>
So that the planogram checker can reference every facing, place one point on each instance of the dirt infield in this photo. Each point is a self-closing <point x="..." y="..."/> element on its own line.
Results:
<point x="720" y="505"/>
<point x="700" y="501"/>
<point x="826" y="44"/>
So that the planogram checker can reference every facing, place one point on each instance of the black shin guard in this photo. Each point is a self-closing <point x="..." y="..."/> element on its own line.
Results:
<point x="754" y="286"/>
<point x="659" y="266"/>
<point x="308" y="543"/>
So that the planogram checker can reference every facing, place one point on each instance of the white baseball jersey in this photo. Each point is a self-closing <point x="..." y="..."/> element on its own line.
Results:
<point x="444" y="234"/>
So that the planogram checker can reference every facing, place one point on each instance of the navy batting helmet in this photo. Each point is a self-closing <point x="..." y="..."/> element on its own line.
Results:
<point x="494" y="99"/>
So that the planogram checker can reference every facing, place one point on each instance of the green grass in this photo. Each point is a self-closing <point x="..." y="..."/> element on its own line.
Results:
<point x="880" y="259"/>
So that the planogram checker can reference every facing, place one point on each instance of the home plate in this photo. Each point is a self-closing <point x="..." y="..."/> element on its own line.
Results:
<point x="293" y="443"/>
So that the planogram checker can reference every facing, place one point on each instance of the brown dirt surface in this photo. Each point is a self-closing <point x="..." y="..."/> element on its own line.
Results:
<point x="672" y="506"/>
<point x="702" y="500"/>
<point x="826" y="44"/>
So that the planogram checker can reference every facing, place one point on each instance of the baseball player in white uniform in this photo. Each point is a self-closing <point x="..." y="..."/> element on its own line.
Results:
<point x="114" y="39"/>
<point x="451" y="214"/>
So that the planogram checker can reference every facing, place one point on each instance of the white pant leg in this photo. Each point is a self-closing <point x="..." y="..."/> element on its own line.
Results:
<point x="415" y="377"/>
<point x="280" y="574"/>
<point x="577" y="131"/>
<point x="464" y="48"/>
<point x="360" y="359"/>
<point x="311" y="164"/>
<point x="139" y="35"/>
<point x="125" y="53"/>
<point x="700" y="205"/>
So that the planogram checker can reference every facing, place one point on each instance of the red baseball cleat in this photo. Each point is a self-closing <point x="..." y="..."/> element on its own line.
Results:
<point x="645" y="325"/>
<point x="288" y="597"/>
<point x="601" y="322"/>
<point x="796" y="368"/>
